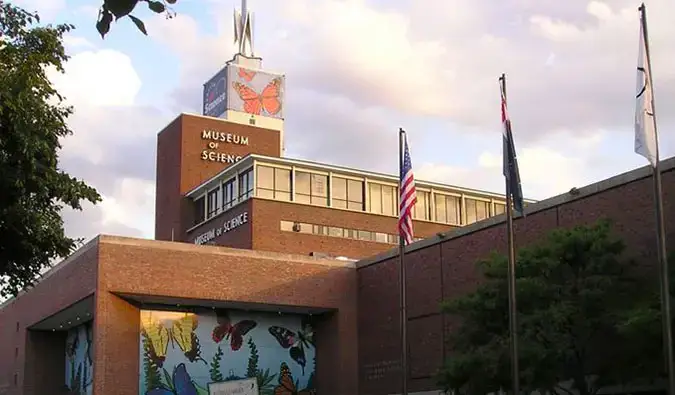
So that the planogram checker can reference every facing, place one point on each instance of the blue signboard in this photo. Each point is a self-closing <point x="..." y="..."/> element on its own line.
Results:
<point x="215" y="95"/>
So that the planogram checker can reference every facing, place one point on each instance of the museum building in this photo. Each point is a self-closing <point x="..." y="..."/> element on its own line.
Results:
<point x="272" y="269"/>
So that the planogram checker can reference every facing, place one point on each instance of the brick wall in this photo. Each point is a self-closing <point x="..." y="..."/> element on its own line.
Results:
<point x="178" y="270"/>
<point x="180" y="167"/>
<point x="445" y="268"/>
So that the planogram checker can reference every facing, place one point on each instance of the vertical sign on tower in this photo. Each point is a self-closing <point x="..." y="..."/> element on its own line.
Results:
<point x="215" y="95"/>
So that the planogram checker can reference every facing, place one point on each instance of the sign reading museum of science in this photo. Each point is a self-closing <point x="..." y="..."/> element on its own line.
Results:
<point x="214" y="138"/>
<point x="230" y="224"/>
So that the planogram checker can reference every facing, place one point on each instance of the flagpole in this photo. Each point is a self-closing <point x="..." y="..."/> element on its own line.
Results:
<point x="515" y="382"/>
<point x="402" y="277"/>
<point x="660" y="228"/>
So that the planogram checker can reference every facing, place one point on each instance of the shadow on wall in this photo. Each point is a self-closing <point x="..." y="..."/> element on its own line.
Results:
<point x="181" y="352"/>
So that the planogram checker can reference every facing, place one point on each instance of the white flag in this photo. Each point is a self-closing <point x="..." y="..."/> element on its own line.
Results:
<point x="645" y="124"/>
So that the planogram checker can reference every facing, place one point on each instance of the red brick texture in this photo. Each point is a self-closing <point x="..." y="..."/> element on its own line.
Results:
<point x="180" y="167"/>
<point x="239" y="237"/>
<point x="217" y="273"/>
<point x="69" y="282"/>
<point x="446" y="270"/>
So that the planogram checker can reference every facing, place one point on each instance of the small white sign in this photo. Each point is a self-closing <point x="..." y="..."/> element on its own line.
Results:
<point x="235" y="387"/>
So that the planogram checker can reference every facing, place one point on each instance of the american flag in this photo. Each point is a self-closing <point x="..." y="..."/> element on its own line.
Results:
<point x="407" y="197"/>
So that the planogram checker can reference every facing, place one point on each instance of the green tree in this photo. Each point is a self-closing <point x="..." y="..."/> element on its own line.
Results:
<point x="116" y="9"/>
<point x="32" y="120"/>
<point x="214" y="371"/>
<point x="571" y="289"/>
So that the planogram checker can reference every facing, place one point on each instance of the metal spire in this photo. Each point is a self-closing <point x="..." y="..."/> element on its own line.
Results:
<point x="243" y="30"/>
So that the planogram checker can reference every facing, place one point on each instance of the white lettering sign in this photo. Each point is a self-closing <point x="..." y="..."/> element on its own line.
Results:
<point x="224" y="137"/>
<point x="235" y="387"/>
<point x="211" y="154"/>
<point x="210" y="106"/>
<point x="227" y="226"/>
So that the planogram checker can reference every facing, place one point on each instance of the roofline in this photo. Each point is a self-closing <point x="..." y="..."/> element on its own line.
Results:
<point x="328" y="167"/>
<point x="70" y="258"/>
<point x="640" y="173"/>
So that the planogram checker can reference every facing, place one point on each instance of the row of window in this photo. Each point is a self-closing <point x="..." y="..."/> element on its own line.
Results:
<point x="342" y="192"/>
<point x="336" y="231"/>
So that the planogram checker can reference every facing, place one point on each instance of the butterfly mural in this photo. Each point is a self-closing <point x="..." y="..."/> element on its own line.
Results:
<point x="226" y="330"/>
<point x="180" y="383"/>
<point x="286" y="384"/>
<point x="269" y="100"/>
<point x="295" y="342"/>
<point x="247" y="75"/>
<point x="181" y="333"/>
<point x="79" y="368"/>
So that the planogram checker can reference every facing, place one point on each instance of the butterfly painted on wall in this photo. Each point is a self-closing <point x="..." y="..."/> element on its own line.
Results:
<point x="180" y="384"/>
<point x="235" y="333"/>
<point x="286" y="384"/>
<point x="89" y="332"/>
<point x="72" y="344"/>
<point x="295" y="342"/>
<point x="247" y="75"/>
<point x="254" y="103"/>
<point x="181" y="333"/>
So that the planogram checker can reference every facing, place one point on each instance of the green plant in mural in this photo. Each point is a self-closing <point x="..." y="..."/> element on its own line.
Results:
<point x="265" y="378"/>
<point x="152" y="376"/>
<point x="216" y="376"/>
<point x="252" y="369"/>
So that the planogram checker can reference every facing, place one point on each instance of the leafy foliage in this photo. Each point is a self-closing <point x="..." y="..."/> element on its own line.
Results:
<point x="117" y="9"/>
<point x="214" y="371"/>
<point x="571" y="290"/>
<point x="32" y="120"/>
<point x="252" y="368"/>
<point x="152" y="376"/>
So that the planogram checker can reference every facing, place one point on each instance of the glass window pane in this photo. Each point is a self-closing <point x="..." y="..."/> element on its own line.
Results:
<point x="319" y="200"/>
<point x="335" y="232"/>
<point x="355" y="206"/>
<point x="305" y="228"/>
<point x="470" y="211"/>
<point x="421" y="208"/>
<point x="375" y="192"/>
<point x="284" y="196"/>
<point x="388" y="200"/>
<point x="212" y="203"/>
<point x="482" y="210"/>
<point x="319" y="185"/>
<point x="287" y="226"/>
<point x="355" y="191"/>
<point x="265" y="177"/>
<point x="381" y="237"/>
<point x="339" y="203"/>
<point x="200" y="210"/>
<point x="453" y="207"/>
<point x="500" y="208"/>
<point x="301" y="198"/>
<point x="228" y="194"/>
<point x="302" y="182"/>
<point x="282" y="180"/>
<point x="365" y="235"/>
<point x="265" y="193"/>
<point x="441" y="214"/>
<point x="339" y="188"/>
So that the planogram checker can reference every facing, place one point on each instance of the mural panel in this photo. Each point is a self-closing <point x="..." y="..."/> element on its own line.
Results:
<point x="181" y="353"/>
<point x="255" y="92"/>
<point x="79" y="362"/>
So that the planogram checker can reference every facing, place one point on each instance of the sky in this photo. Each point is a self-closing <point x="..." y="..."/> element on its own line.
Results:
<point x="356" y="71"/>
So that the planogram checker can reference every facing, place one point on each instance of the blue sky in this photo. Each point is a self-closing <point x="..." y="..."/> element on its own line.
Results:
<point x="358" y="70"/>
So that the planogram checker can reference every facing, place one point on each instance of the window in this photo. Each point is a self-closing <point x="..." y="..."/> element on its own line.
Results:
<point x="212" y="203"/>
<point x="421" y="208"/>
<point x="448" y="209"/>
<point x="383" y="199"/>
<point x="347" y="193"/>
<point x="311" y="188"/>
<point x="200" y="210"/>
<point x="273" y="183"/>
<point x="246" y="184"/>
<point x="229" y="197"/>
<point x="500" y="208"/>
<point x="476" y="210"/>
<point x="334" y="231"/>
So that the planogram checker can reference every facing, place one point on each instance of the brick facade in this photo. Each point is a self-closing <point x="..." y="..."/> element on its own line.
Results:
<point x="112" y="266"/>
<point x="444" y="267"/>
<point x="180" y="166"/>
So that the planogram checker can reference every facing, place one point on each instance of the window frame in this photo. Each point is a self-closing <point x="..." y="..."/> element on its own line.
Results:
<point x="348" y="200"/>
<point x="460" y="206"/>
<point x="225" y="203"/>
<point x="213" y="207"/>
<point x="250" y="179"/>
<point x="487" y="202"/>
<point x="276" y="191"/>
<point x="395" y="197"/>
<point x="294" y="187"/>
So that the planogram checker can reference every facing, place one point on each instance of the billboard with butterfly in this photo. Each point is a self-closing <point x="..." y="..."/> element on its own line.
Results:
<point x="181" y="353"/>
<point x="255" y="92"/>
<point x="79" y="361"/>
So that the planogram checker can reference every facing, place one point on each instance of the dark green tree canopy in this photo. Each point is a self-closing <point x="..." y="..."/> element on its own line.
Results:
<point x="32" y="120"/>
<point x="113" y="10"/>
<point x="574" y="292"/>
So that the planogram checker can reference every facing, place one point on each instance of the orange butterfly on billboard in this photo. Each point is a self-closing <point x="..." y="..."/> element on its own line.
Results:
<point x="248" y="75"/>
<point x="254" y="103"/>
